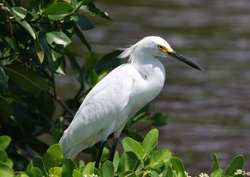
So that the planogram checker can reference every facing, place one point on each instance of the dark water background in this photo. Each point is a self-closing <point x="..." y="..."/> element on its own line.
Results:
<point x="211" y="109"/>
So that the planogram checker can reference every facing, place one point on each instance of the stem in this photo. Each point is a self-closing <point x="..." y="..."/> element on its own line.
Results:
<point x="140" y="169"/>
<point x="64" y="106"/>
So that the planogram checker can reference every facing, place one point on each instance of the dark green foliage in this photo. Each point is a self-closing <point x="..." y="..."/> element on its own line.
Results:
<point x="137" y="159"/>
<point x="34" y="40"/>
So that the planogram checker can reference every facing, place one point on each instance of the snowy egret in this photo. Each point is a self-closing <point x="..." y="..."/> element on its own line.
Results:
<point x="118" y="96"/>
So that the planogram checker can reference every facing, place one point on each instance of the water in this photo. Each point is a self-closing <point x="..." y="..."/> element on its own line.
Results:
<point x="211" y="109"/>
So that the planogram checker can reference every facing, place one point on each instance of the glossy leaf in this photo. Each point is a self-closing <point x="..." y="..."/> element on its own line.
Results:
<point x="56" y="60"/>
<point x="39" y="51"/>
<point x="5" y="170"/>
<point x="55" y="171"/>
<point x="78" y="72"/>
<point x="35" y="172"/>
<point x="116" y="161"/>
<point x="237" y="163"/>
<point x="90" y="62"/>
<point x="107" y="169"/>
<point x="216" y="162"/>
<point x="217" y="173"/>
<point x="53" y="156"/>
<point x="68" y="167"/>
<point x="97" y="11"/>
<point x="11" y="41"/>
<point x="20" y="13"/>
<point x="59" y="8"/>
<point x="38" y="162"/>
<point x="178" y="166"/>
<point x="109" y="61"/>
<point x="150" y="142"/>
<point x="128" y="161"/>
<point x="4" y="142"/>
<point x="160" y="156"/>
<point x="76" y="173"/>
<point x="89" y="169"/>
<point x="82" y="22"/>
<point x="129" y="144"/>
<point x="168" y="172"/>
<point x="81" y="36"/>
<point x="28" y="80"/>
<point x="57" y="37"/>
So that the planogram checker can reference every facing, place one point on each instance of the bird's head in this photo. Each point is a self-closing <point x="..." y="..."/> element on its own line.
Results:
<point x="157" y="47"/>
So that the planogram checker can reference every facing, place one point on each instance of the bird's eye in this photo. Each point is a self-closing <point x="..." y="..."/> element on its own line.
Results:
<point x="161" y="48"/>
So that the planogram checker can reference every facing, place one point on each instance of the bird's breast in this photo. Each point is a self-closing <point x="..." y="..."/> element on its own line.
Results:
<point x="148" y="81"/>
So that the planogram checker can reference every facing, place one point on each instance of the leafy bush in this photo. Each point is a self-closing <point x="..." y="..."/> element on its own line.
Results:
<point x="137" y="159"/>
<point x="34" y="39"/>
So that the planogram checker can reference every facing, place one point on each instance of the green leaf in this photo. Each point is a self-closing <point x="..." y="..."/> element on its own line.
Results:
<point x="217" y="173"/>
<point x="150" y="142"/>
<point x="79" y="33"/>
<point x="53" y="156"/>
<point x="129" y="144"/>
<point x="109" y="61"/>
<point x="216" y="162"/>
<point x="5" y="170"/>
<point x="11" y="41"/>
<point x="22" y="174"/>
<point x="97" y="11"/>
<point x="56" y="60"/>
<point x="90" y="62"/>
<point x="81" y="165"/>
<point x="4" y="159"/>
<point x="38" y="162"/>
<point x="168" y="172"/>
<point x="27" y="80"/>
<point x="68" y="167"/>
<point x="4" y="142"/>
<point x="178" y="166"/>
<point x="82" y="22"/>
<point x="5" y="107"/>
<point x="160" y="119"/>
<point x="128" y="161"/>
<point x="59" y="8"/>
<point x="57" y="37"/>
<point x="55" y="171"/>
<point x="237" y="163"/>
<point x="19" y="14"/>
<point x="76" y="173"/>
<point x="107" y="169"/>
<point x="160" y="156"/>
<point x="39" y="51"/>
<point x="75" y="67"/>
<point x="89" y="169"/>
<point x="35" y="172"/>
<point x="116" y="161"/>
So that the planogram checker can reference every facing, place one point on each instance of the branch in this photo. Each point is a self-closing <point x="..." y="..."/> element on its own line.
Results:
<point x="62" y="104"/>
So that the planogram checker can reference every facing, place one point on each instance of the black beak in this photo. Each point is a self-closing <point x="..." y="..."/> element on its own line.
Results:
<point x="185" y="60"/>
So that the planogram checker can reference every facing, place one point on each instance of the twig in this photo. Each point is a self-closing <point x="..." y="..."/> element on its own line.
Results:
<point x="65" y="107"/>
<point x="134" y="172"/>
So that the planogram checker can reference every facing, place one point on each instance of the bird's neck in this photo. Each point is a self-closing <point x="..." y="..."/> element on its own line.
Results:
<point x="148" y="65"/>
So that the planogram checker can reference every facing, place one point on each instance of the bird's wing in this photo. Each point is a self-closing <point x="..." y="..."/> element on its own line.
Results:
<point x="101" y="112"/>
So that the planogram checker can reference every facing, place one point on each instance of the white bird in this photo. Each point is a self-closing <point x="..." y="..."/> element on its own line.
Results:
<point x="118" y="96"/>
